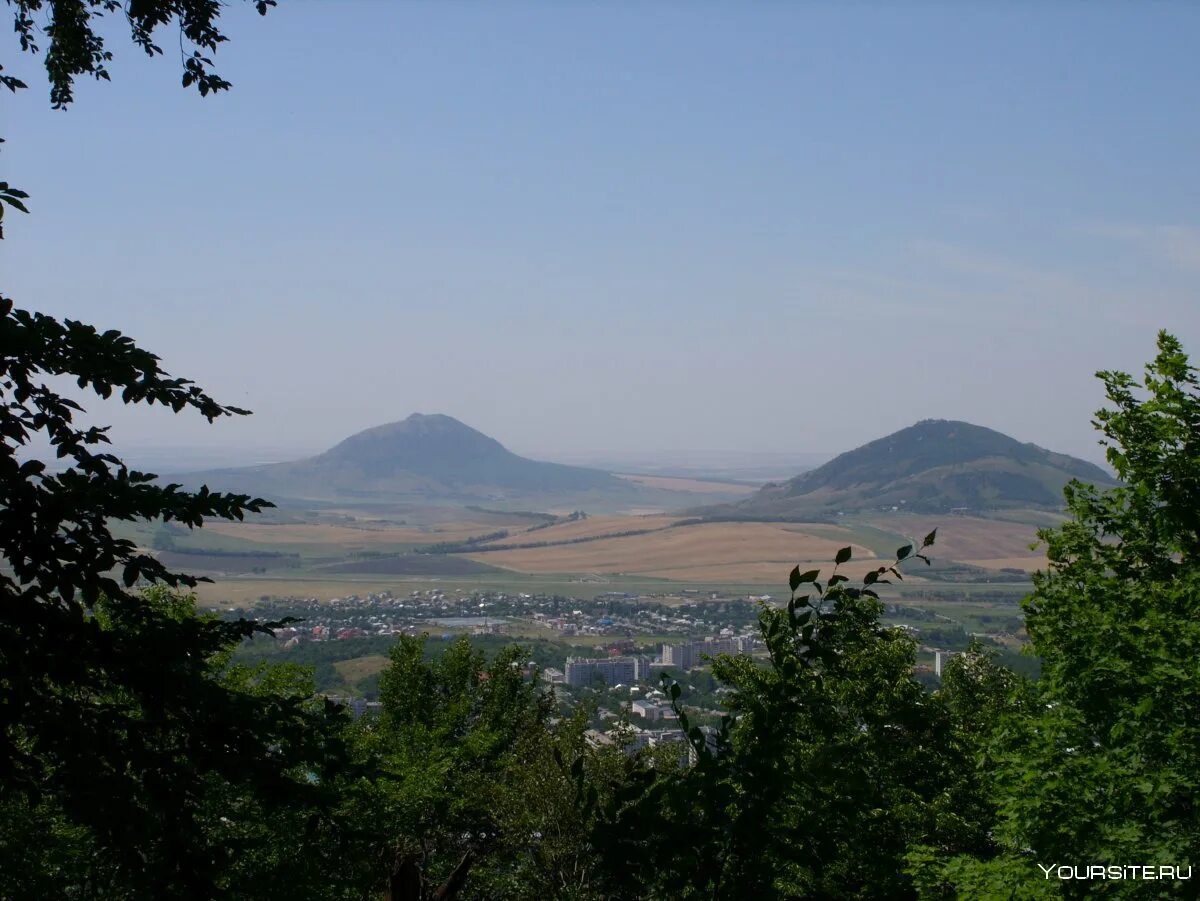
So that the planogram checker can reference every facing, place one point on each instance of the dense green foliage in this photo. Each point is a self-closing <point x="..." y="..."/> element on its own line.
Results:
<point x="1097" y="761"/>
<point x="321" y="657"/>
<point x="134" y="762"/>
<point x="468" y="778"/>
<point x="112" y="718"/>
<point x="834" y="762"/>
<point x="206" y="783"/>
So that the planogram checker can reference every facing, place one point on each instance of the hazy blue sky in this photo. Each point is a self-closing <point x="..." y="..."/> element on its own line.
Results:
<point x="584" y="226"/>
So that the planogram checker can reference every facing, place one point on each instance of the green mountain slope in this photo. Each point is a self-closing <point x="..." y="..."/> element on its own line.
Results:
<point x="933" y="466"/>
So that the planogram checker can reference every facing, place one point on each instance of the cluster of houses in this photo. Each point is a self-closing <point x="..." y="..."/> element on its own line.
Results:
<point x="662" y="732"/>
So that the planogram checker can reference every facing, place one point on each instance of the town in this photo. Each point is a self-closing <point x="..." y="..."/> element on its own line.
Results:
<point x="610" y="654"/>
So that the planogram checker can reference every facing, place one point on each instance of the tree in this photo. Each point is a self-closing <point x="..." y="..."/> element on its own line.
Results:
<point x="471" y="793"/>
<point x="223" y="780"/>
<point x="129" y="751"/>
<point x="834" y="764"/>
<point x="117" y="726"/>
<point x="74" y="47"/>
<point x="1099" y="763"/>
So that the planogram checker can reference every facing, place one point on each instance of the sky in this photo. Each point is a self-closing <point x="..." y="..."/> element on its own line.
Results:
<point x="589" y="228"/>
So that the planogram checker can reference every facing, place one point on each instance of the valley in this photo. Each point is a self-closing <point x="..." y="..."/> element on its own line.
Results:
<point x="301" y="568"/>
<point x="427" y="525"/>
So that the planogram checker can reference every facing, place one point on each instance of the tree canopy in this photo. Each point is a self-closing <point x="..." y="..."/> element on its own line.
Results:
<point x="115" y="715"/>
<point x="68" y="35"/>
<point x="1096" y="762"/>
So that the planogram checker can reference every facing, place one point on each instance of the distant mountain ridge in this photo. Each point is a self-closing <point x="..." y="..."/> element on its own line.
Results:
<point x="431" y="456"/>
<point x="440" y="447"/>
<point x="933" y="466"/>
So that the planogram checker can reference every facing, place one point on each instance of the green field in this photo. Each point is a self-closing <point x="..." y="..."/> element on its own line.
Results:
<point x="333" y="553"/>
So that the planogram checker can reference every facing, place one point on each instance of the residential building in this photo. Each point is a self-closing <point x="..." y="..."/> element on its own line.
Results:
<point x="691" y="654"/>
<point x="582" y="671"/>
<point x="647" y="710"/>
<point x="940" y="659"/>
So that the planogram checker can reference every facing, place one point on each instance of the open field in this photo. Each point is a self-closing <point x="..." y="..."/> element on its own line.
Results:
<point x="883" y="542"/>
<point x="1028" y="564"/>
<point x="761" y="572"/>
<point x="413" y="515"/>
<point x="966" y="538"/>
<point x="725" y="551"/>
<point x="242" y="563"/>
<point x="692" y="486"/>
<point x="357" y="668"/>
<point x="325" y="560"/>
<point x="591" y="527"/>
<point x="410" y="565"/>
<point x="329" y="535"/>
<point x="983" y="617"/>
<point x="1037" y="518"/>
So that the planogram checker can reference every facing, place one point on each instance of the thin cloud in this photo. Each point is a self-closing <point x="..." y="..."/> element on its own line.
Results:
<point x="1004" y="273"/>
<point x="1178" y="245"/>
<point x="969" y="283"/>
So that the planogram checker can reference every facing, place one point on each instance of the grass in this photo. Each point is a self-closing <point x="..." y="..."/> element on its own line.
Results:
<point x="731" y="559"/>
<point x="244" y="591"/>
<point x="696" y="486"/>
<point x="357" y="668"/>
<point x="363" y="533"/>
<point x="705" y="552"/>
<point x="965" y="538"/>
<point x="881" y="542"/>
<point x="986" y="618"/>
<point x="591" y="527"/>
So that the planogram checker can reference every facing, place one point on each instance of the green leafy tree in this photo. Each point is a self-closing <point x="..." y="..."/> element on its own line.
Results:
<point x="472" y="794"/>
<point x="833" y="765"/>
<point x="1100" y="764"/>
<point x="134" y="761"/>
<point x="221" y="780"/>
<point x="67" y="34"/>
<point x="978" y="693"/>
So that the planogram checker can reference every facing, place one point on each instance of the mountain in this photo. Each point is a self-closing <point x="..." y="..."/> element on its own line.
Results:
<point x="421" y="457"/>
<point x="933" y="466"/>
<point x="441" y="448"/>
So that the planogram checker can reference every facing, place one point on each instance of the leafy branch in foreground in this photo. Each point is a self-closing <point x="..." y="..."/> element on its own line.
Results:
<point x="133" y="761"/>
<point x="110" y="709"/>
<point x="75" y="47"/>
<point x="13" y="197"/>
<point x="1099" y="761"/>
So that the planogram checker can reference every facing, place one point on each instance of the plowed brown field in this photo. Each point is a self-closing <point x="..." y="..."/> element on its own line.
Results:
<point x="588" y="528"/>
<point x="704" y="552"/>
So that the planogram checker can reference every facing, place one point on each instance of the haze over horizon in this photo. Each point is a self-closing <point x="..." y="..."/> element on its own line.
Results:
<point x="627" y="230"/>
